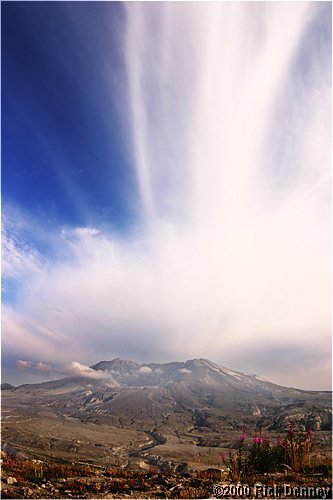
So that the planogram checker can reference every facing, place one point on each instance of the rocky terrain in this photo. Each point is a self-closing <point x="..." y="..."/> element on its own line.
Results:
<point x="178" y="418"/>
<point x="38" y="479"/>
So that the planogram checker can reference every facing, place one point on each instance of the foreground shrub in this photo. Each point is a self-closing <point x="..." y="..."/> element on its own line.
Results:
<point x="262" y="456"/>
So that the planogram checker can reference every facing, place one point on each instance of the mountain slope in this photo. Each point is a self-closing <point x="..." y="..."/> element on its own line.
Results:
<point x="121" y="411"/>
<point x="196" y="392"/>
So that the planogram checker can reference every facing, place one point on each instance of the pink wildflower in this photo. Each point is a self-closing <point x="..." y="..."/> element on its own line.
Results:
<point x="291" y="427"/>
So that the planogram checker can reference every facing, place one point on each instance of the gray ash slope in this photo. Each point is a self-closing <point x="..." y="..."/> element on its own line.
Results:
<point x="196" y="392"/>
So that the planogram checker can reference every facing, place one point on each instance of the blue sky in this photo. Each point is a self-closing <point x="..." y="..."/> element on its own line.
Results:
<point x="62" y="148"/>
<point x="166" y="186"/>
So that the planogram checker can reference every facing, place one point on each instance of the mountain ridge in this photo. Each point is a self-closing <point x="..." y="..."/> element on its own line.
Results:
<point x="124" y="372"/>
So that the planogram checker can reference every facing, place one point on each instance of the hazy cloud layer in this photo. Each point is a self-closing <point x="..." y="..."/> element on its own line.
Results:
<point x="73" y="369"/>
<point x="231" y="259"/>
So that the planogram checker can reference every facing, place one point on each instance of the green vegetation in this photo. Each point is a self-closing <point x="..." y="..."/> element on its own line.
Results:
<point x="293" y="453"/>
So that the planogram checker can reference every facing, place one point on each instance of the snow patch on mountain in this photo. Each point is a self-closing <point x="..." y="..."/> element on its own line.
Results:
<point x="231" y="373"/>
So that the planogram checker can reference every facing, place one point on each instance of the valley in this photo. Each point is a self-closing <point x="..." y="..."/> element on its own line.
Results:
<point x="184" y="417"/>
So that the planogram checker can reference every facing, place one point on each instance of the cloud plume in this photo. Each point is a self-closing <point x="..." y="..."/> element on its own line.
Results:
<point x="73" y="369"/>
<point x="76" y="369"/>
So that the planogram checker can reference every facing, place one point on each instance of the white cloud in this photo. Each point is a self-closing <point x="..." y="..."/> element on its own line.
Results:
<point x="81" y="232"/>
<point x="73" y="369"/>
<point x="18" y="258"/>
<point x="145" y="369"/>
<point x="24" y="365"/>
<point x="38" y="366"/>
<point x="76" y="369"/>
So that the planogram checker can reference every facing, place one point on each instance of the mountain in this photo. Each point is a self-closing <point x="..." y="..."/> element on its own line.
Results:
<point x="147" y="392"/>
<point x="196" y="402"/>
<point x="7" y="387"/>
<point x="196" y="370"/>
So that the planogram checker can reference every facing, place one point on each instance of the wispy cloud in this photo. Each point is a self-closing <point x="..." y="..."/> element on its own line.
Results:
<point x="231" y="147"/>
<point x="18" y="258"/>
<point x="73" y="369"/>
<point x="31" y="365"/>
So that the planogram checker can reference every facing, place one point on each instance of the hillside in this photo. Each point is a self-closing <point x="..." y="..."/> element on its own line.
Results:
<point x="126" y="411"/>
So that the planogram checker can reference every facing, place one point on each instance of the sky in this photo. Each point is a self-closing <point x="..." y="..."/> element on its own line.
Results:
<point x="166" y="187"/>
